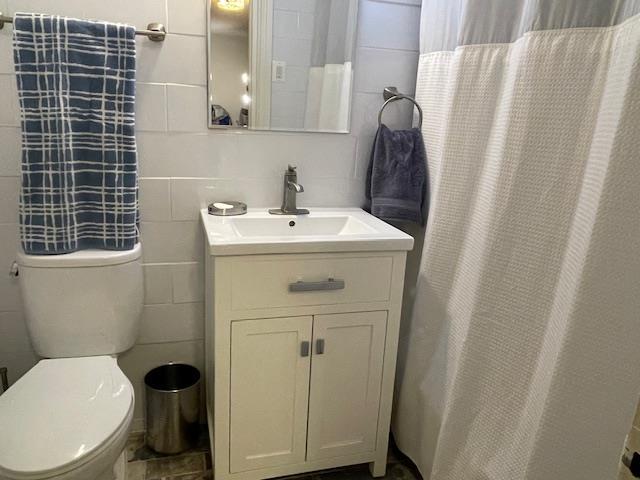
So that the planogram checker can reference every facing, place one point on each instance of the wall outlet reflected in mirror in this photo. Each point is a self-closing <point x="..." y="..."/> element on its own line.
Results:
<point x="279" y="71"/>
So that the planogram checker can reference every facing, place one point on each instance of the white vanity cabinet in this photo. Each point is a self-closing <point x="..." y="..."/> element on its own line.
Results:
<point x="301" y="380"/>
<point x="301" y="348"/>
<point x="304" y="388"/>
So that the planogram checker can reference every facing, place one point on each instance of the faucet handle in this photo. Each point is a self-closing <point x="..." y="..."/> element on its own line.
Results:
<point x="291" y="169"/>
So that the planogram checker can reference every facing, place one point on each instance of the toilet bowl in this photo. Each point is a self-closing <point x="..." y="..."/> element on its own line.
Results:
<point x="68" y="418"/>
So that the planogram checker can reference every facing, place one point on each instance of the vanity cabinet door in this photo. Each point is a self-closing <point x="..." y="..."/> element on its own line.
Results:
<point x="346" y="373"/>
<point x="270" y="364"/>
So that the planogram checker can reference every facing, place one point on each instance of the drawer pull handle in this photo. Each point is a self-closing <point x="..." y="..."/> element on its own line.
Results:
<point x="304" y="349"/>
<point x="329" y="284"/>
<point x="320" y="346"/>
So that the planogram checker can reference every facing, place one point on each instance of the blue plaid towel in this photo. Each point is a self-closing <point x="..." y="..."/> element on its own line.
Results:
<point x="76" y="85"/>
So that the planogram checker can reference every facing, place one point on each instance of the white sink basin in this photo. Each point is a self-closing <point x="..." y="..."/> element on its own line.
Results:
<point x="323" y="230"/>
<point x="278" y="226"/>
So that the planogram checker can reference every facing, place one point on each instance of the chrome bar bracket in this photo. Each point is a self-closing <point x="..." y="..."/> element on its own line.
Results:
<point x="154" y="32"/>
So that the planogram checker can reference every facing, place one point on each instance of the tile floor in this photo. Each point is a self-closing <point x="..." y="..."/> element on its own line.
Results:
<point x="145" y="464"/>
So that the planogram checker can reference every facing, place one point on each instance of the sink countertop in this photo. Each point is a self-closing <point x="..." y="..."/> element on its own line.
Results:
<point x="323" y="230"/>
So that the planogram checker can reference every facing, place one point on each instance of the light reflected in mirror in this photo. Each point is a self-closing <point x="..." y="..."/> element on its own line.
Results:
<point x="281" y="64"/>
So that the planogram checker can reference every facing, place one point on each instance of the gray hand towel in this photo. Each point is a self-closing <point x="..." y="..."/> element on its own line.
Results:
<point x="397" y="175"/>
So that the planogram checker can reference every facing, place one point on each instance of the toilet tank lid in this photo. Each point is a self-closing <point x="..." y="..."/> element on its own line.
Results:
<point x="81" y="258"/>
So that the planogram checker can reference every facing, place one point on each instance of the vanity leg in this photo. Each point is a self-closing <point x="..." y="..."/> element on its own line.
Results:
<point x="378" y="468"/>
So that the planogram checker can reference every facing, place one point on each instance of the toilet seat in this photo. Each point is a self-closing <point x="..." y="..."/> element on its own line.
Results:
<point x="61" y="414"/>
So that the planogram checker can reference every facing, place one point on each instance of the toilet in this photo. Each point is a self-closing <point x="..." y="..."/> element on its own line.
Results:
<point x="68" y="418"/>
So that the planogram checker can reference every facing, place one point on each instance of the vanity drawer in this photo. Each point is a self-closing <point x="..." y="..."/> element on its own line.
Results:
<point x="292" y="281"/>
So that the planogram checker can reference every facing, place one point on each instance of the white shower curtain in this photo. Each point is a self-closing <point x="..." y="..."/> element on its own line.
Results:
<point x="328" y="98"/>
<point x="521" y="359"/>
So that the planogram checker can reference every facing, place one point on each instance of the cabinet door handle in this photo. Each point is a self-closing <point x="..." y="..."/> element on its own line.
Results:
<point x="304" y="349"/>
<point x="320" y="346"/>
<point x="328" y="284"/>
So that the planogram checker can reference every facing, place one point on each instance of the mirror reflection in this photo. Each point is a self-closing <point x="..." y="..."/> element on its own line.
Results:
<point x="281" y="64"/>
<point x="229" y="68"/>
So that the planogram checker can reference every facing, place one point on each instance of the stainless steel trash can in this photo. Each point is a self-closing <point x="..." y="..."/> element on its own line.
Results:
<point x="173" y="407"/>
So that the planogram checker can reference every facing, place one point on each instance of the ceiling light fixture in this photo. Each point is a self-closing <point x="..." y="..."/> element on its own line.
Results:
<point x="231" y="5"/>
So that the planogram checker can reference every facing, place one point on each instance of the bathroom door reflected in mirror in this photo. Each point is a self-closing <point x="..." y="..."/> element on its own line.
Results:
<point x="281" y="64"/>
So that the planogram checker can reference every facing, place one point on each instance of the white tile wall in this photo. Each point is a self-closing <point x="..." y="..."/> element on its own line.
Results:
<point x="171" y="242"/>
<point x="191" y="194"/>
<point x="6" y="55"/>
<point x="151" y="107"/>
<point x="179" y="59"/>
<point x="183" y="166"/>
<point x="16" y="348"/>
<point x="188" y="155"/>
<point x="9" y="115"/>
<point x="167" y="283"/>
<point x="166" y="323"/>
<point x="9" y="191"/>
<point x="378" y="68"/>
<point x="10" y="151"/>
<point x="9" y="291"/>
<point x="158" y="286"/>
<point x="184" y="103"/>
<point x="187" y="282"/>
<point x="155" y="199"/>
<point x="185" y="17"/>
<point x="75" y="8"/>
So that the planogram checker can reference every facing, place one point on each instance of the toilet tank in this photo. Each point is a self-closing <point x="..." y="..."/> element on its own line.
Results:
<point x="83" y="303"/>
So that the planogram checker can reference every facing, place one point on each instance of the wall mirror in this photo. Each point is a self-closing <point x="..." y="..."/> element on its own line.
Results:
<point x="281" y="64"/>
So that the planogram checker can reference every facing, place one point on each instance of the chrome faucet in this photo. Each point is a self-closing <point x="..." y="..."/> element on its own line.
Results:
<point x="291" y="189"/>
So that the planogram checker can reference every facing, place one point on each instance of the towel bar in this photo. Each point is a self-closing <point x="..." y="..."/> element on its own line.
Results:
<point x="155" y="31"/>
<point x="391" y="95"/>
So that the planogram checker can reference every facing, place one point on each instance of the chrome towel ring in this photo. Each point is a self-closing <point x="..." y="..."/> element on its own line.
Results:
<point x="391" y="95"/>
